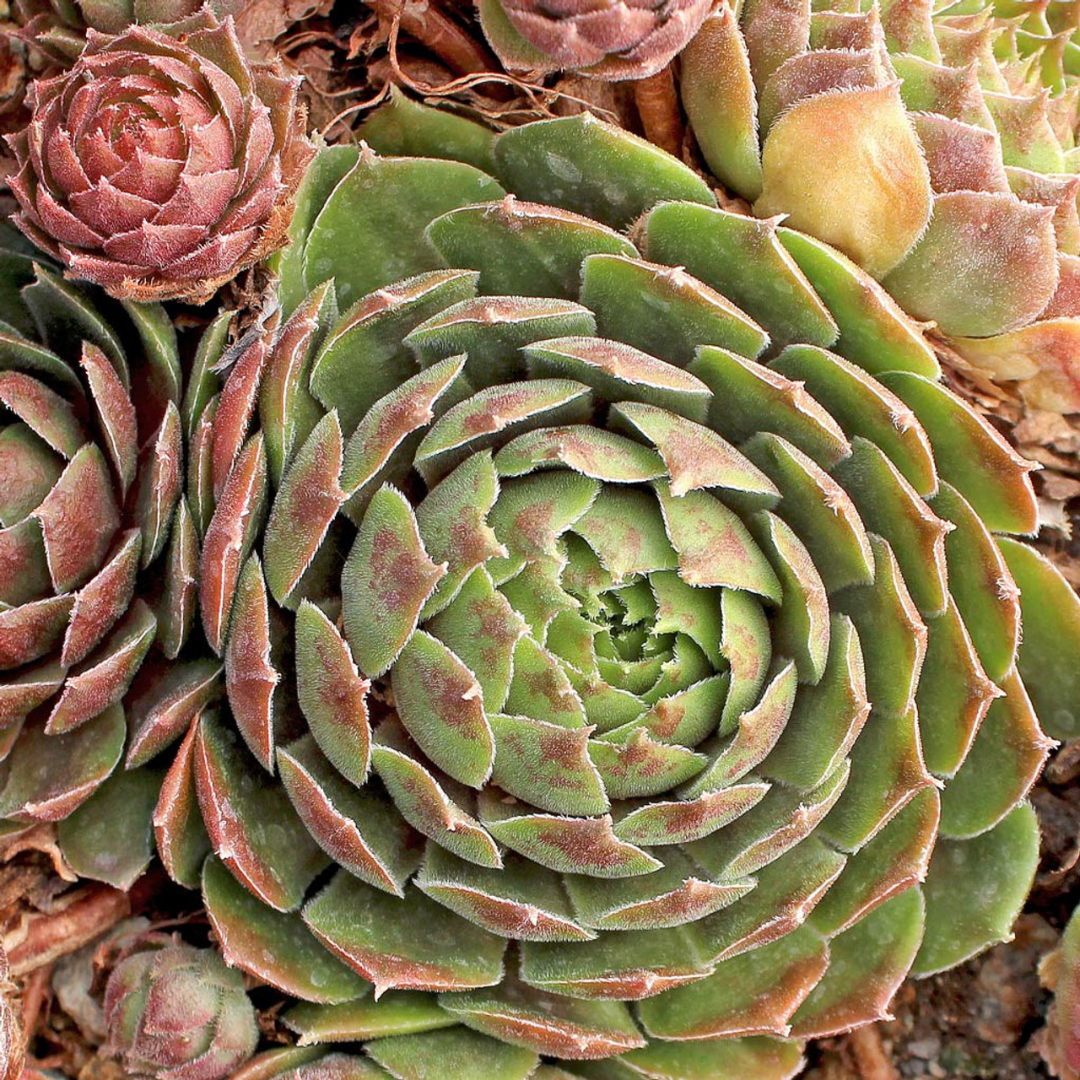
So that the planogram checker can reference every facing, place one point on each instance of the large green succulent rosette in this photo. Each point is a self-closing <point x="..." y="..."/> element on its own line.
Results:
<point x="619" y="625"/>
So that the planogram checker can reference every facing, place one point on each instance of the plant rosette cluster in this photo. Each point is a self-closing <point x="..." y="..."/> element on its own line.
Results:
<point x="626" y="39"/>
<point x="162" y="163"/>
<point x="608" y="655"/>
<point x="58" y="27"/>
<point x="937" y="148"/>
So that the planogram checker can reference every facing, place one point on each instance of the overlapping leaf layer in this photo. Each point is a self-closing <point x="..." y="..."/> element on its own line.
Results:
<point x="934" y="144"/>
<point x="612" y="610"/>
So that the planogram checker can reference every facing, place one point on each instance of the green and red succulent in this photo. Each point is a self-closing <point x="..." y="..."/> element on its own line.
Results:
<point x="162" y="163"/>
<point x="589" y="634"/>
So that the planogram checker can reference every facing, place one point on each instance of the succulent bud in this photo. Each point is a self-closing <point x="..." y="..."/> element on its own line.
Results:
<point x="177" y="1012"/>
<point x="160" y="166"/>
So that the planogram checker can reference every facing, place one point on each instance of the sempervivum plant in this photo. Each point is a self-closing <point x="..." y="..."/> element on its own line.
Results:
<point x="178" y="1013"/>
<point x="937" y="149"/>
<point x="623" y="39"/>
<point x="615" y="609"/>
<point x="161" y="164"/>
<point x="58" y="27"/>
<point x="97" y="558"/>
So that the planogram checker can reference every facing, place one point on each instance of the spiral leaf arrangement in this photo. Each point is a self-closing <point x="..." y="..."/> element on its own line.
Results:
<point x="607" y="653"/>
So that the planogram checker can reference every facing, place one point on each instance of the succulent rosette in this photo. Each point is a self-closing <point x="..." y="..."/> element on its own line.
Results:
<point x="58" y="27"/>
<point x="626" y="39"/>
<point x="161" y="165"/>
<point x="175" y="1012"/>
<point x="619" y="622"/>
<point x="97" y="559"/>
<point x="937" y="148"/>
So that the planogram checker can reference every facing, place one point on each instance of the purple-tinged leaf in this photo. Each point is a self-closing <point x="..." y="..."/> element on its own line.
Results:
<point x="229" y="537"/>
<point x="695" y="455"/>
<point x="46" y="413"/>
<point x="250" y="675"/>
<point x="115" y="414"/>
<point x="164" y="704"/>
<point x="303" y="508"/>
<point x="79" y="519"/>
<point x="236" y="406"/>
<point x="29" y="689"/>
<point x="495" y="414"/>
<point x="676" y="894"/>
<point x="546" y="764"/>
<point x="104" y="677"/>
<point x="102" y="600"/>
<point x="439" y="703"/>
<point x="386" y="580"/>
<point x="359" y="831"/>
<point x="332" y="694"/>
<point x="33" y="630"/>
<point x="519" y="900"/>
<point x="180" y="836"/>
<point x="757" y="734"/>
<point x="287" y="411"/>
<point x="550" y="1024"/>
<point x="682" y="821"/>
<point x="160" y="480"/>
<point x="180" y="593"/>
<point x="570" y="845"/>
<point x="594" y="452"/>
<point x="253" y="828"/>
<point x="387" y="426"/>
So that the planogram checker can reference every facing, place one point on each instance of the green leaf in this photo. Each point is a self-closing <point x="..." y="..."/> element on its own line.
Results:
<point x="272" y="945"/>
<point x="975" y="890"/>
<point x="523" y="249"/>
<point x="593" y="168"/>
<point x="377" y="934"/>
<point x="1051" y="642"/>
<point x="109" y="837"/>
<point x="397" y="1012"/>
<point x="457" y="1052"/>
<point x="369" y="231"/>
<point x="741" y="258"/>
<point x="663" y="310"/>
